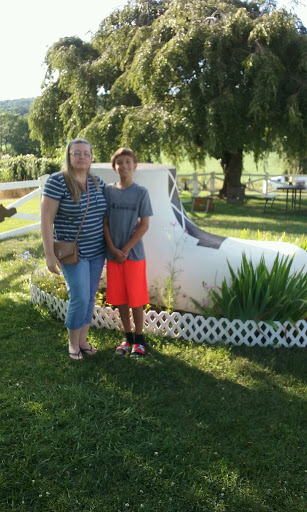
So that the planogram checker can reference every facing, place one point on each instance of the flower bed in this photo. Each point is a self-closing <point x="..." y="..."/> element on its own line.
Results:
<point x="191" y="327"/>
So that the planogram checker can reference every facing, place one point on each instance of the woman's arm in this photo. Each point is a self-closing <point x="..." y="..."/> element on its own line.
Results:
<point x="49" y="208"/>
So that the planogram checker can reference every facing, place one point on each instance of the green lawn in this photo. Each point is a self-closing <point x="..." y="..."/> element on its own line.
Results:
<point x="232" y="220"/>
<point x="274" y="165"/>
<point x="189" y="429"/>
<point x="29" y="207"/>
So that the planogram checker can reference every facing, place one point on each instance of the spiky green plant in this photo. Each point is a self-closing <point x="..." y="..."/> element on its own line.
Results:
<point x="258" y="293"/>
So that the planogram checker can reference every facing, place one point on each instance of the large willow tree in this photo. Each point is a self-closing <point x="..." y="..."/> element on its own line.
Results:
<point x="183" y="77"/>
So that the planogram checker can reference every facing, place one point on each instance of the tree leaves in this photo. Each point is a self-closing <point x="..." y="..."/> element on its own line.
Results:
<point x="186" y="78"/>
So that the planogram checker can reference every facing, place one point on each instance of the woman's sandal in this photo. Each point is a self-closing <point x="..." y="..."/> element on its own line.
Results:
<point x="88" y="351"/>
<point x="77" y="355"/>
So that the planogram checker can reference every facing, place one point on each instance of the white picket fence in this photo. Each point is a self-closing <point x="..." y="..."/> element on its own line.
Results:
<point x="191" y="327"/>
<point x="15" y="185"/>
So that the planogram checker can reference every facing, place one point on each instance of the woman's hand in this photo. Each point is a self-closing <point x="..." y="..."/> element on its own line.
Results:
<point x="53" y="264"/>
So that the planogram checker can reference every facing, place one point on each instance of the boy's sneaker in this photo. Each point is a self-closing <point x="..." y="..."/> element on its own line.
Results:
<point x="138" y="351"/>
<point x="123" y="348"/>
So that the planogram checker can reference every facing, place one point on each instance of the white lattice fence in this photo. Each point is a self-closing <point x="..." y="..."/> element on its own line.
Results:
<point x="56" y="306"/>
<point x="192" y="327"/>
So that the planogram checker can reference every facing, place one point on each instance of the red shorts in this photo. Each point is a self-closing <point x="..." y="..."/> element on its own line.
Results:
<point x="127" y="283"/>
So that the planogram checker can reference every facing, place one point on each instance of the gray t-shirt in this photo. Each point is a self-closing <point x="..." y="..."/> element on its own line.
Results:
<point x="124" y="208"/>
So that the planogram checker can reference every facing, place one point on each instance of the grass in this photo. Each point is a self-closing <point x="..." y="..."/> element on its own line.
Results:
<point x="249" y="221"/>
<point x="274" y="165"/>
<point x="12" y="223"/>
<point x="189" y="429"/>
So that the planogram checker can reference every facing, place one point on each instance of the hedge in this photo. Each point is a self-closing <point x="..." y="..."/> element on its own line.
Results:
<point x="26" y="167"/>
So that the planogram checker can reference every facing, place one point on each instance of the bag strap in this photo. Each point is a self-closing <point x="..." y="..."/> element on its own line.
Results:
<point x="88" y="202"/>
<point x="87" y="205"/>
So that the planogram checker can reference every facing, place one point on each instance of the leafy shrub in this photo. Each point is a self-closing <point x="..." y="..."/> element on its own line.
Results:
<point x="28" y="167"/>
<point x="262" y="295"/>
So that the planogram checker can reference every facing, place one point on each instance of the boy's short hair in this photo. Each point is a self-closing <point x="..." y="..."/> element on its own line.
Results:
<point x="123" y="152"/>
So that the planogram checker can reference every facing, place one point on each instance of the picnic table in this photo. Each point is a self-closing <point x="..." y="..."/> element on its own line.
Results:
<point x="296" y="195"/>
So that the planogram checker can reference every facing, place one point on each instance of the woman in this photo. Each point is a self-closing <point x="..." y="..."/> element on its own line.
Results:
<point x="63" y="206"/>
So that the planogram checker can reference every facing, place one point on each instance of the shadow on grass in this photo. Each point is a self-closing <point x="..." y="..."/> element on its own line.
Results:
<point x="188" y="429"/>
<point x="290" y="363"/>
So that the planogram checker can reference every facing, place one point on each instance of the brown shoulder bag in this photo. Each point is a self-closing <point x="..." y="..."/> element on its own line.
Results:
<point x="68" y="252"/>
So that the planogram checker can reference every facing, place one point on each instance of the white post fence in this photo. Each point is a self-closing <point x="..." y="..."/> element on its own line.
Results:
<point x="15" y="185"/>
<point x="211" y="182"/>
<point x="259" y="184"/>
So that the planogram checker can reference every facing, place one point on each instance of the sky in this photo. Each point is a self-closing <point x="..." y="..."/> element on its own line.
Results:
<point x="30" y="27"/>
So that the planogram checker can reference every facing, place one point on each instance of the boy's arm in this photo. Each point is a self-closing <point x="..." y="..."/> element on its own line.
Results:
<point x="117" y="253"/>
<point x="137" y="235"/>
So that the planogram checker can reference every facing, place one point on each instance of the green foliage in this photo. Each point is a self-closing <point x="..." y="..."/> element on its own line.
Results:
<point x="26" y="167"/>
<point x="50" y="283"/>
<point x="262" y="294"/>
<point x="208" y="307"/>
<point x="15" y="135"/>
<point x="20" y="106"/>
<point x="44" y="119"/>
<point x="69" y="100"/>
<point x="104" y="133"/>
<point x="186" y="78"/>
<point x="165" y="292"/>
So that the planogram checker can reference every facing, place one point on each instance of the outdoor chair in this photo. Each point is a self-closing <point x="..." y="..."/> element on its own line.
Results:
<point x="267" y="199"/>
<point x="202" y="204"/>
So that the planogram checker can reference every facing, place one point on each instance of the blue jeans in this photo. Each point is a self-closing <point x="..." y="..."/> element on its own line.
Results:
<point x="82" y="281"/>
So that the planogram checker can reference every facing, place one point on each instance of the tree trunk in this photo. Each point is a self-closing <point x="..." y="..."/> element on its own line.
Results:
<point x="232" y="165"/>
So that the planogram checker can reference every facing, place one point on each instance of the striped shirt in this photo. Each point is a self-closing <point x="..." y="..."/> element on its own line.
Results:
<point x="69" y="215"/>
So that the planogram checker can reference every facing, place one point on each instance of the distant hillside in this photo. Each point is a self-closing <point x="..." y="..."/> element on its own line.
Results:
<point x="20" y="106"/>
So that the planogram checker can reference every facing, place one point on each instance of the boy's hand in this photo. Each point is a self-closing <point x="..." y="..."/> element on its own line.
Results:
<point x="119" y="256"/>
<point x="125" y="251"/>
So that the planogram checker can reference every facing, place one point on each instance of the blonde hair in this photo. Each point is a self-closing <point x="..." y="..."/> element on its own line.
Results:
<point x="70" y="180"/>
<point x="123" y="152"/>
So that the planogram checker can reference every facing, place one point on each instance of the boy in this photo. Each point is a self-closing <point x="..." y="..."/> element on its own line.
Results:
<point x="125" y="223"/>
